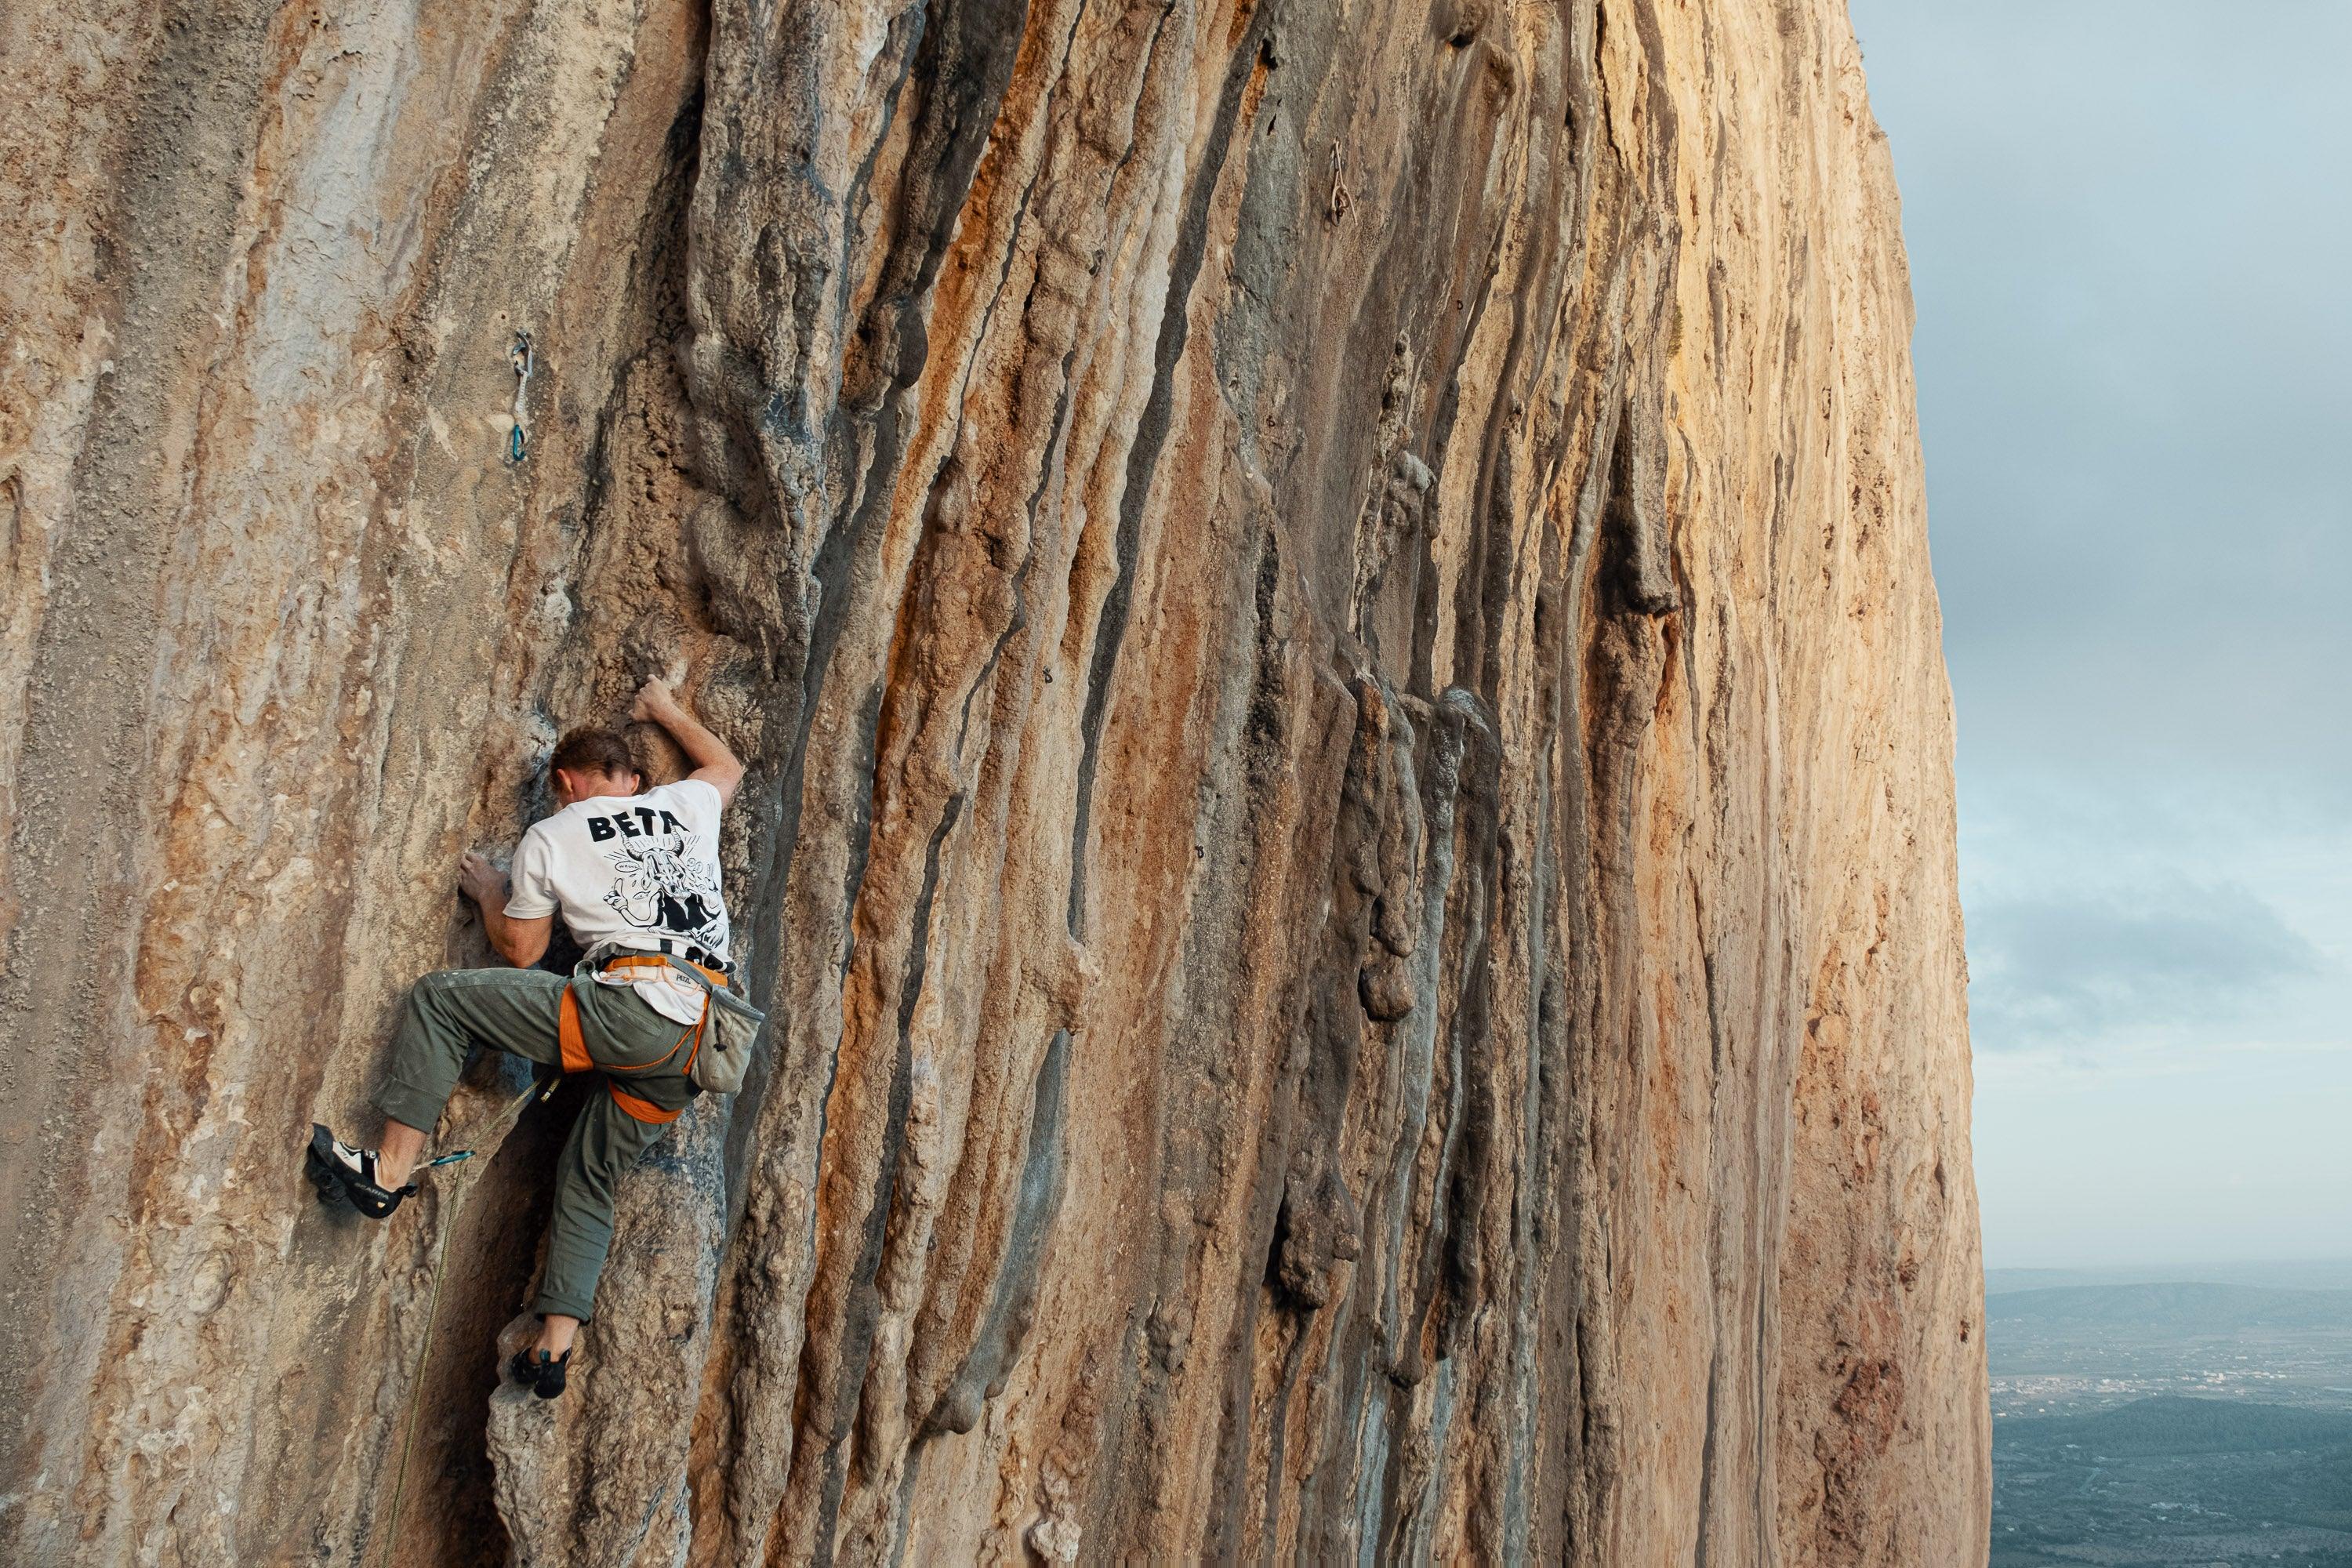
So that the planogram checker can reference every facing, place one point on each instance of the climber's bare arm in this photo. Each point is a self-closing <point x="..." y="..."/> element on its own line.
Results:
<point x="714" y="764"/>
<point x="520" y="942"/>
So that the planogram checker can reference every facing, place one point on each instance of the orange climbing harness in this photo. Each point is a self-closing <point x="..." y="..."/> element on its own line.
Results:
<point x="567" y="1034"/>
<point x="574" y="1046"/>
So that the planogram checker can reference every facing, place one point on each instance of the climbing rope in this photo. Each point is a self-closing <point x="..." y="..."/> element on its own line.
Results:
<point x="520" y="357"/>
<point x="440" y="1262"/>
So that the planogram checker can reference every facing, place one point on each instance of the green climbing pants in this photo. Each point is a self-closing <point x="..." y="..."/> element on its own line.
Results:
<point x="518" y="1010"/>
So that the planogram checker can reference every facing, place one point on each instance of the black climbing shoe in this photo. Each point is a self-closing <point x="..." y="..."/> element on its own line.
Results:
<point x="541" y="1373"/>
<point x="345" y="1174"/>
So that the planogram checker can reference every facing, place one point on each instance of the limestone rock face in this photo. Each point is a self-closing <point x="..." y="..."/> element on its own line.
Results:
<point x="1351" y="832"/>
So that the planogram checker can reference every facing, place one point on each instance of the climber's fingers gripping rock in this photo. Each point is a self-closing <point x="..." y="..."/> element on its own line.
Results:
<point x="481" y="880"/>
<point x="654" y="699"/>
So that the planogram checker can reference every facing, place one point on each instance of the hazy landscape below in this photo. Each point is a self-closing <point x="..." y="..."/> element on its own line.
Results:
<point x="2326" y="1274"/>
<point x="2173" y="1416"/>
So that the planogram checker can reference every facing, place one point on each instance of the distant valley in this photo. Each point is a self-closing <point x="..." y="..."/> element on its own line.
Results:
<point x="2169" y="1421"/>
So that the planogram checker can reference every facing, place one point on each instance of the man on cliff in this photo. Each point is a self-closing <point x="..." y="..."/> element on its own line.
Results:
<point x="635" y="873"/>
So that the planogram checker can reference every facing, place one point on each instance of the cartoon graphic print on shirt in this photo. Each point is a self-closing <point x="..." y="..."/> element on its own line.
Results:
<point x="657" y="886"/>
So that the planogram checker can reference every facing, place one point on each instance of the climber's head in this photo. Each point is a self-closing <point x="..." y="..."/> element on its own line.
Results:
<point x="591" y="762"/>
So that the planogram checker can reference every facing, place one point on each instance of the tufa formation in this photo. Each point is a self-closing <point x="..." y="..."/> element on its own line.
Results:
<point x="1351" y="833"/>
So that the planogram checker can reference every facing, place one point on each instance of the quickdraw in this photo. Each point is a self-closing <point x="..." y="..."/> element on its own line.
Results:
<point x="520" y="357"/>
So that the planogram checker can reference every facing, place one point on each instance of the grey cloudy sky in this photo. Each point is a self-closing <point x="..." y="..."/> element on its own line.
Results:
<point x="2130" y="231"/>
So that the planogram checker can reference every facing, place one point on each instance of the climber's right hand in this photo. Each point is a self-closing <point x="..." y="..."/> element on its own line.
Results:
<point x="481" y="881"/>
<point x="655" y="703"/>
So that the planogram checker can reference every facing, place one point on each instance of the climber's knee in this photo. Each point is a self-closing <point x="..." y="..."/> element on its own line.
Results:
<point x="431" y="991"/>
<point x="426" y="1014"/>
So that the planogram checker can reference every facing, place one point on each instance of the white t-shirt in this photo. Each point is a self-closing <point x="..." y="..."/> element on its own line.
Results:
<point x="639" y="871"/>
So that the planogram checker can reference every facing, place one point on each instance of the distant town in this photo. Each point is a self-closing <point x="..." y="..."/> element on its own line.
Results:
<point x="2181" y="1422"/>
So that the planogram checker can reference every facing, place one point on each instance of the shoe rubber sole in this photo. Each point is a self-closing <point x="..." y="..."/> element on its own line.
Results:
<point x="338" y="1187"/>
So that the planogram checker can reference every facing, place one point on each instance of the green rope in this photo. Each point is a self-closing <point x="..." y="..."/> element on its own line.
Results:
<point x="433" y="1322"/>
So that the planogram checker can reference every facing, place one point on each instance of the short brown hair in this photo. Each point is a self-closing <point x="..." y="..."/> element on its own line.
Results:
<point x="593" y="749"/>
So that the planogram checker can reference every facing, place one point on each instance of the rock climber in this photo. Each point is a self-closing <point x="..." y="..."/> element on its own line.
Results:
<point x="634" y="874"/>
